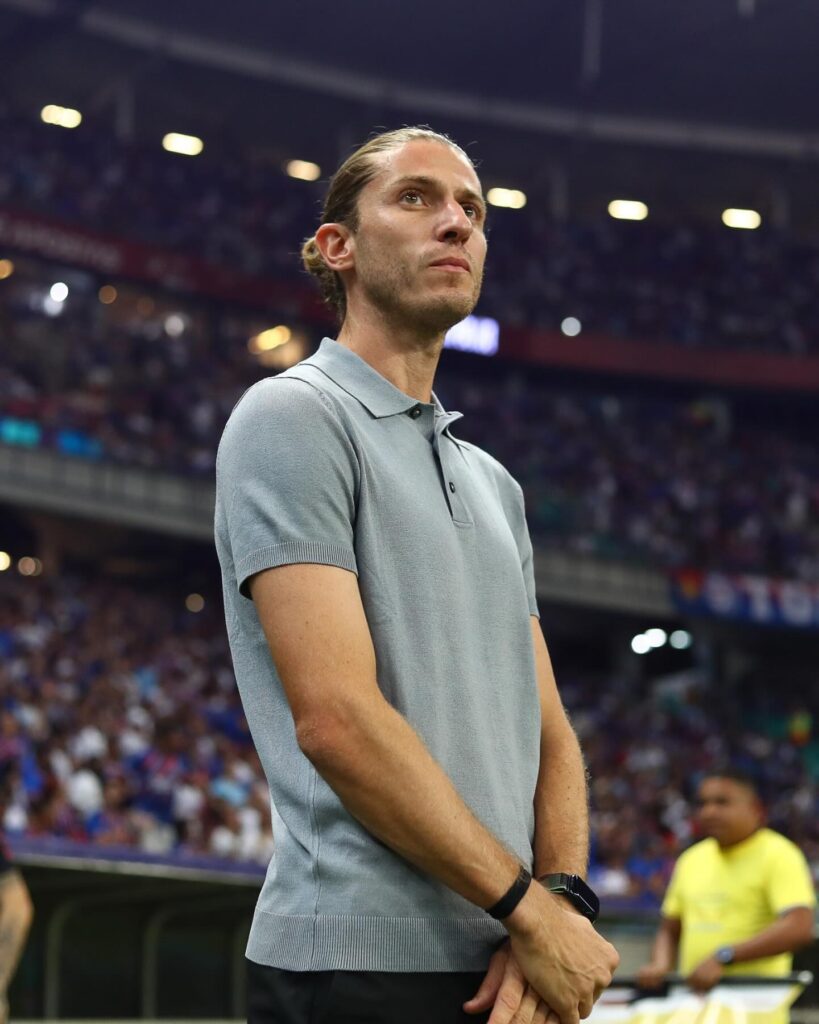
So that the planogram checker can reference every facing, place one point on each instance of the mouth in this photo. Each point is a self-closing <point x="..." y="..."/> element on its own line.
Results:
<point x="454" y="263"/>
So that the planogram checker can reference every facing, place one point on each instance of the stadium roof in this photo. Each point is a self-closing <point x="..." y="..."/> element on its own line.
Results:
<point x="531" y="79"/>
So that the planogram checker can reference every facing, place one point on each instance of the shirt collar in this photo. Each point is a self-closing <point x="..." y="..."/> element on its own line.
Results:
<point x="366" y="385"/>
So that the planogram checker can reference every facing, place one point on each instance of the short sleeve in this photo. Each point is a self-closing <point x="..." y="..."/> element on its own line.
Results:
<point x="524" y="543"/>
<point x="672" y="901"/>
<point x="789" y="879"/>
<point x="286" y="480"/>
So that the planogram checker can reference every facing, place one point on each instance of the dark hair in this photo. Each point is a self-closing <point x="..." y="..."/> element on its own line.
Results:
<point x="341" y="201"/>
<point x="739" y="775"/>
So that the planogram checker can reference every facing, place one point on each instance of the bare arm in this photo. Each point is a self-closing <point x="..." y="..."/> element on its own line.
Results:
<point x="789" y="932"/>
<point x="561" y="799"/>
<point x="318" y="635"/>
<point x="16" y="914"/>
<point x="663" y="953"/>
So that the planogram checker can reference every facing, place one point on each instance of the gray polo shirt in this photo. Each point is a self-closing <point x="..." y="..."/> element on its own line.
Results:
<point x="330" y="463"/>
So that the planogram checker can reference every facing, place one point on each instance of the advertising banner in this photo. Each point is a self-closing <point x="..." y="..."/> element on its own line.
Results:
<point x="747" y="598"/>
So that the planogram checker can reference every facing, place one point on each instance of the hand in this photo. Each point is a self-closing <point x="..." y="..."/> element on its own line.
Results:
<point x="651" y="975"/>
<point x="560" y="954"/>
<point x="705" y="975"/>
<point x="512" y="998"/>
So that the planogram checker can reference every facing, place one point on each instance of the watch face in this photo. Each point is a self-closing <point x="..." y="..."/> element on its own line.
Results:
<point x="724" y="956"/>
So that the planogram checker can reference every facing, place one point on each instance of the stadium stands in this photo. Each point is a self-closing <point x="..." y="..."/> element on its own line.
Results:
<point x="697" y="286"/>
<point x="121" y="726"/>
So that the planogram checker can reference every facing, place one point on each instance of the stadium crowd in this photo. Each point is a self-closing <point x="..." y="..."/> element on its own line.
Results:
<point x="699" y="286"/>
<point x="656" y="478"/>
<point x="120" y="725"/>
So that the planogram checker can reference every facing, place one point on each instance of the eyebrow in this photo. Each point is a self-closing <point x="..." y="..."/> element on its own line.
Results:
<point x="423" y="179"/>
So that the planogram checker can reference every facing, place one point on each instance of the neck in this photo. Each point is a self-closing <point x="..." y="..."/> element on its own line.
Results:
<point x="407" y="357"/>
<point x="736" y="842"/>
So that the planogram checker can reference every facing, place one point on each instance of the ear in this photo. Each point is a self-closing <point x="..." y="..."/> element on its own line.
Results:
<point x="336" y="244"/>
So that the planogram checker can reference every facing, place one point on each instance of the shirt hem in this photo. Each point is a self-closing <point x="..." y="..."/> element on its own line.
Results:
<point x="293" y="553"/>
<point x="393" y="944"/>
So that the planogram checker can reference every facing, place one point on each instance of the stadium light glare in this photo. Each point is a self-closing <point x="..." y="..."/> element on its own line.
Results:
<point x="185" y="145"/>
<point x="175" y="325"/>
<point x="6" y="269"/>
<point x="747" y="220"/>
<point x="656" y="637"/>
<point x="628" y="209"/>
<point x="5" y="561"/>
<point x="28" y="566"/>
<point x="640" y="644"/>
<point x="681" y="639"/>
<point x="510" y="198"/>
<point x="571" y="326"/>
<point x="59" y="291"/>
<point x="107" y="294"/>
<point x="194" y="602"/>
<point x="304" y="170"/>
<point x="63" y="117"/>
<point x="273" y="337"/>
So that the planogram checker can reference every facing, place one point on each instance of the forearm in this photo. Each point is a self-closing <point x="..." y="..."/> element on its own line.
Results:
<point x="561" y="806"/>
<point x="785" y="935"/>
<point x="666" y="945"/>
<point x="387" y="779"/>
<point x="15" y="921"/>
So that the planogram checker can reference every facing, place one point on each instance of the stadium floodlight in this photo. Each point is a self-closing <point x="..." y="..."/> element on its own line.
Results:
<point x="304" y="170"/>
<point x="656" y="637"/>
<point x="28" y="566"/>
<point x="6" y="269"/>
<point x="194" y="602"/>
<point x="681" y="639"/>
<point x="185" y="145"/>
<point x="107" y="294"/>
<point x="5" y="561"/>
<point x="63" y="117"/>
<point x="175" y="325"/>
<point x="640" y="644"/>
<point x="628" y="209"/>
<point x="510" y="198"/>
<point x="571" y="326"/>
<point x="273" y="337"/>
<point x="746" y="220"/>
<point x="59" y="291"/>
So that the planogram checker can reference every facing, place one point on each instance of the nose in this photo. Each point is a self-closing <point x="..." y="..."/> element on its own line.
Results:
<point x="454" y="225"/>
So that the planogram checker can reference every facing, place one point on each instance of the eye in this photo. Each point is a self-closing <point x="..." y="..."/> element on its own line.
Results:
<point x="472" y="211"/>
<point x="413" y="195"/>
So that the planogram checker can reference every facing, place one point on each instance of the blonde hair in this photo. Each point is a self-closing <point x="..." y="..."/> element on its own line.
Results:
<point x="341" y="202"/>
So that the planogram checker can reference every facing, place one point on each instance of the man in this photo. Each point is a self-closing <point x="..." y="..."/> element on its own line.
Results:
<point x="380" y="604"/>
<point x="16" y="914"/>
<point x="740" y="901"/>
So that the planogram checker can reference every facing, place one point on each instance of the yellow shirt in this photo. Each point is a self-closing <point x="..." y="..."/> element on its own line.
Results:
<point x="723" y="897"/>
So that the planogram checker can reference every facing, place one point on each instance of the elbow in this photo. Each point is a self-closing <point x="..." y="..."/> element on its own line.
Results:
<point x="325" y="739"/>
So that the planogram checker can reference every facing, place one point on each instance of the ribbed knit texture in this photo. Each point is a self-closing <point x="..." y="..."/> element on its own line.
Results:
<point x="326" y="464"/>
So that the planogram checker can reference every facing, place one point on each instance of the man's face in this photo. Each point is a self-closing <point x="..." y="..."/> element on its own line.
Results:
<point x="419" y="248"/>
<point x="728" y="811"/>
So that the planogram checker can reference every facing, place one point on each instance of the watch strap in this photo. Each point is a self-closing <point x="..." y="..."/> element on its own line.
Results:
<point x="510" y="899"/>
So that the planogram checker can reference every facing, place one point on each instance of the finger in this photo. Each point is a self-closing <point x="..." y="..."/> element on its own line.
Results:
<point x="527" y="1008"/>
<point x="508" y="999"/>
<point x="488" y="990"/>
<point x="543" y="1015"/>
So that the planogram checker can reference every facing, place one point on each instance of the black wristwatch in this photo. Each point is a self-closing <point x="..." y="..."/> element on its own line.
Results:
<point x="581" y="896"/>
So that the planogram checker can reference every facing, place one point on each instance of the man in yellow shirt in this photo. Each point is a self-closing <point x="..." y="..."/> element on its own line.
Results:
<point x="740" y="901"/>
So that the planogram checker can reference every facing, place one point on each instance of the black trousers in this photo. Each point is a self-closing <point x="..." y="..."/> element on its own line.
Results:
<point x="358" y="997"/>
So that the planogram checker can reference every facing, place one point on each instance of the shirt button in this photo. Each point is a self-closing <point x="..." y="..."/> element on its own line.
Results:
<point x="415" y="411"/>
<point x="452" y="486"/>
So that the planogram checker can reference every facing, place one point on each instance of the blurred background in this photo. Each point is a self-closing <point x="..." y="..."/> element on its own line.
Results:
<point x="644" y="359"/>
